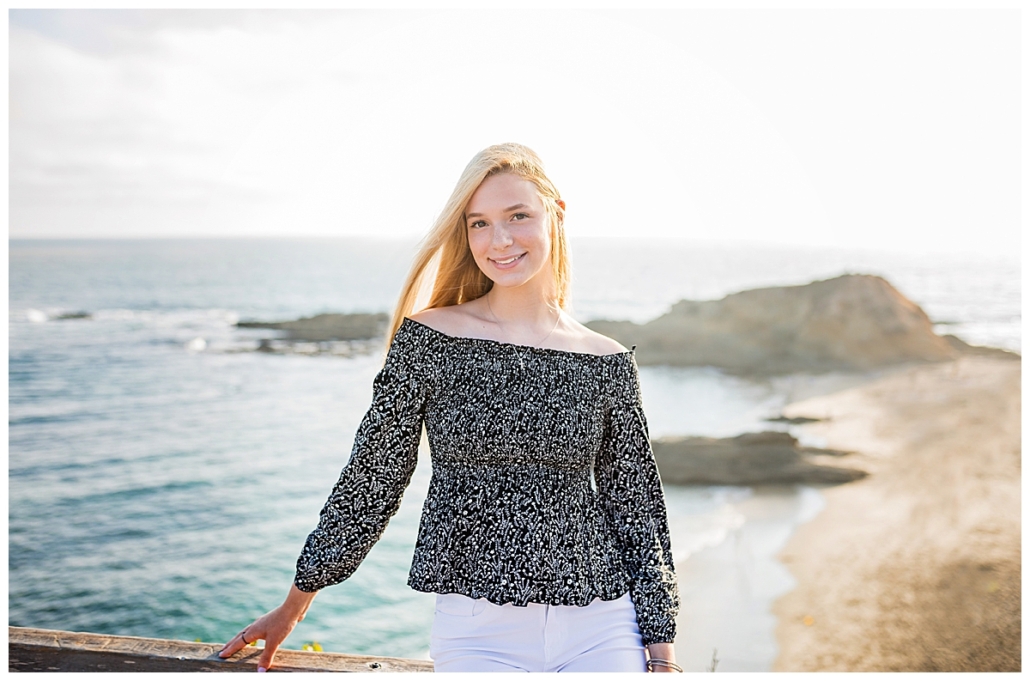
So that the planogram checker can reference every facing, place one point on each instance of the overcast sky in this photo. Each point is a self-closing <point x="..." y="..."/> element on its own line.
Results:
<point x="888" y="129"/>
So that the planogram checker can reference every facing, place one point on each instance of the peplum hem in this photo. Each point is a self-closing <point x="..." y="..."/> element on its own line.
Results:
<point x="500" y="597"/>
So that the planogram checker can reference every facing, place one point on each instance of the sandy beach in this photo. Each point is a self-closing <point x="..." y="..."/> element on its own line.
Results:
<point x="917" y="567"/>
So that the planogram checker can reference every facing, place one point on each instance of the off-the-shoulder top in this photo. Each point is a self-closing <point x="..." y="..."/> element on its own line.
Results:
<point x="544" y="488"/>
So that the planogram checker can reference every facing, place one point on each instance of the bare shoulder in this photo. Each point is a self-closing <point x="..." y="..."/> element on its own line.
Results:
<point x="453" y="320"/>
<point x="591" y="341"/>
<point x="472" y="320"/>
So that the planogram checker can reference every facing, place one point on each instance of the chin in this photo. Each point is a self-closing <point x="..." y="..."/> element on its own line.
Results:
<point x="505" y="282"/>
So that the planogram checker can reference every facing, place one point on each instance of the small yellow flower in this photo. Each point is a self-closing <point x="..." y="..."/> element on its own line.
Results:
<point x="808" y="620"/>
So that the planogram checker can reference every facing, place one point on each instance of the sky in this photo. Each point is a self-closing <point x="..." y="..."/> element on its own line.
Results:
<point x="890" y="129"/>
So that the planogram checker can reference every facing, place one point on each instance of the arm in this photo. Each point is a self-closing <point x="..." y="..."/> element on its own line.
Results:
<point x="662" y="651"/>
<point x="367" y="494"/>
<point x="630" y="490"/>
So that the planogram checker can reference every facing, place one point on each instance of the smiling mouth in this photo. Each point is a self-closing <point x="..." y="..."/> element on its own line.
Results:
<point x="508" y="261"/>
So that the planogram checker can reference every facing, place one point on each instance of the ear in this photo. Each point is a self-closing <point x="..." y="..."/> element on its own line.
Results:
<point x="561" y="213"/>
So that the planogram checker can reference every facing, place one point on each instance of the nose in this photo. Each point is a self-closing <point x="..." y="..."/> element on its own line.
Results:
<point x="501" y="237"/>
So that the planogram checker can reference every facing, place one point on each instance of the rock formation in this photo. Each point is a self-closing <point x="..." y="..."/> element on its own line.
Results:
<point x="328" y="327"/>
<point x="749" y="459"/>
<point x="965" y="348"/>
<point x="853" y="322"/>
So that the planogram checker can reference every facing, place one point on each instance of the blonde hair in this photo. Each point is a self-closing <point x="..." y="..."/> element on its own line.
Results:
<point x="458" y="278"/>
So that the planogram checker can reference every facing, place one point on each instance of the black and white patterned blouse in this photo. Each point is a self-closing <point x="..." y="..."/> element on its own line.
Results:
<point x="544" y="488"/>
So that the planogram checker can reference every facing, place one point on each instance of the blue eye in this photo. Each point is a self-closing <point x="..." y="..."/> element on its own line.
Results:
<point x="477" y="223"/>
<point x="520" y="216"/>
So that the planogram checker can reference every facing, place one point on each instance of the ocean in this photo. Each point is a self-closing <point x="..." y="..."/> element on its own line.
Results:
<point x="163" y="475"/>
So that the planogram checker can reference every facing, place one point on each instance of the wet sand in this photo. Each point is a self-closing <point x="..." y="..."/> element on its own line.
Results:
<point x="727" y="589"/>
<point x="917" y="567"/>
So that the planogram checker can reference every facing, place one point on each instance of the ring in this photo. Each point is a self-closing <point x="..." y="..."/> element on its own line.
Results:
<point x="244" y="638"/>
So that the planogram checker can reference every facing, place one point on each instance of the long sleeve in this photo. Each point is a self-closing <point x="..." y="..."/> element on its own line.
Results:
<point x="382" y="461"/>
<point x="631" y="492"/>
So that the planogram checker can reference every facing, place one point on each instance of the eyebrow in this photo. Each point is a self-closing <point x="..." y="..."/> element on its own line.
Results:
<point x="506" y="210"/>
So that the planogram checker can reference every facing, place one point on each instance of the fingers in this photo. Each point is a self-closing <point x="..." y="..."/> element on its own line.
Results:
<point x="272" y="628"/>
<point x="237" y="643"/>
<point x="268" y="654"/>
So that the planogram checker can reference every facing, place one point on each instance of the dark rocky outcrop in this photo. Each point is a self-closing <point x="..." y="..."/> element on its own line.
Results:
<point x="854" y="322"/>
<point x="328" y="327"/>
<point x="765" y="458"/>
<point x="793" y="420"/>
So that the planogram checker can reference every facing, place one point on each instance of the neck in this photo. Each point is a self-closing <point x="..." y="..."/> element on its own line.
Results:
<point x="526" y="307"/>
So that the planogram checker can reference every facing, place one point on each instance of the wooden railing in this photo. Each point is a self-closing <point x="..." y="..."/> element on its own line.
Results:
<point x="45" y="650"/>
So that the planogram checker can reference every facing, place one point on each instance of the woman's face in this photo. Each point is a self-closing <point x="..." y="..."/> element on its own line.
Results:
<point x="509" y="230"/>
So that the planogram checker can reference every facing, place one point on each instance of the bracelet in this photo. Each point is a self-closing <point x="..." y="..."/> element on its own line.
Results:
<point x="664" y="663"/>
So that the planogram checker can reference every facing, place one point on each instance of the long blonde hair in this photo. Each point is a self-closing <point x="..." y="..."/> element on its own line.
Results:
<point x="458" y="278"/>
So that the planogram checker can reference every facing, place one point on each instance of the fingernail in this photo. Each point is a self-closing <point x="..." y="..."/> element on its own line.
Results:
<point x="261" y="670"/>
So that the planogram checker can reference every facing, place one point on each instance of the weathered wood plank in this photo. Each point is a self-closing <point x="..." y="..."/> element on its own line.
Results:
<point x="47" y="650"/>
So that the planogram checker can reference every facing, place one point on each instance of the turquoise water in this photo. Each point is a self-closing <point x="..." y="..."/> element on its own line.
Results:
<point x="161" y="487"/>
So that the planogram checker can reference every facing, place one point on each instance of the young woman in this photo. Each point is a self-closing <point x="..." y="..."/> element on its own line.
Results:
<point x="544" y="532"/>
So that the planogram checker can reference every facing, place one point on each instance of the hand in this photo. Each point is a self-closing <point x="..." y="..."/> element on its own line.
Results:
<point x="272" y="627"/>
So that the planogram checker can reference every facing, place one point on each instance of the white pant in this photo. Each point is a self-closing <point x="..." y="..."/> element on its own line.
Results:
<point x="477" y="636"/>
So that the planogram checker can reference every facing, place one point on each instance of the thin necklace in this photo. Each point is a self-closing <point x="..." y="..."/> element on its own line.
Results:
<point x="515" y="347"/>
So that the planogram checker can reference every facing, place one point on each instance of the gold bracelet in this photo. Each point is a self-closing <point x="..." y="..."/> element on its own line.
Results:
<point x="664" y="663"/>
